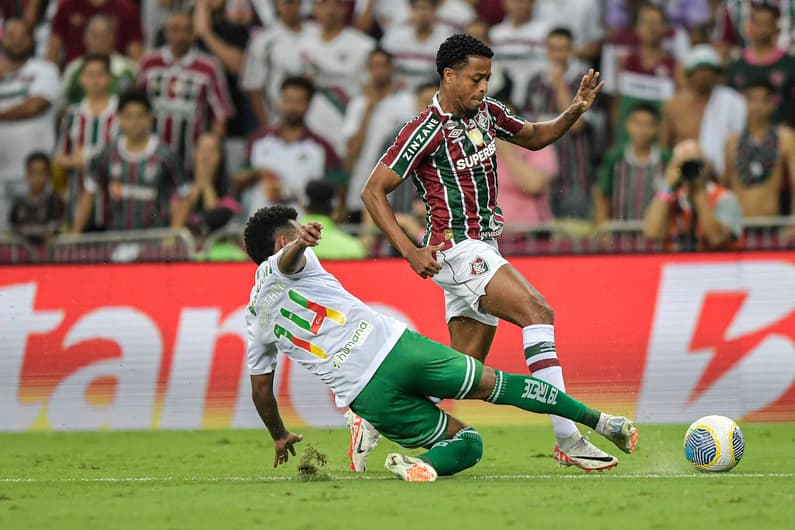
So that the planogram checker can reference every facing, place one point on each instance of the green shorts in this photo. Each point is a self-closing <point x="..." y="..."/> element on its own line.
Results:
<point x="395" y="401"/>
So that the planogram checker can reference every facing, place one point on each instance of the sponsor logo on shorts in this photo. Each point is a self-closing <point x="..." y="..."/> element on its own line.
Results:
<point x="358" y="338"/>
<point x="478" y="267"/>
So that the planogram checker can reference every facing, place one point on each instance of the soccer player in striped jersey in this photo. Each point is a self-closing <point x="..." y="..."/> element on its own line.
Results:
<point x="138" y="179"/>
<point x="187" y="89"/>
<point x="449" y="152"/>
<point x="372" y="363"/>
<point x="88" y="126"/>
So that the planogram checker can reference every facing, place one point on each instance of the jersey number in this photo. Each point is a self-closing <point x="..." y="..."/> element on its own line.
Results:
<point x="321" y="313"/>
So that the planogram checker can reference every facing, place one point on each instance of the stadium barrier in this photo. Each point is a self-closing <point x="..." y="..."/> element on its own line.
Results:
<point x="157" y="245"/>
<point x="666" y="338"/>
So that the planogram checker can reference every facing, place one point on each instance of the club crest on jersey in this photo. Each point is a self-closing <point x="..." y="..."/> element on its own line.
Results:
<point x="478" y="267"/>
<point x="482" y="120"/>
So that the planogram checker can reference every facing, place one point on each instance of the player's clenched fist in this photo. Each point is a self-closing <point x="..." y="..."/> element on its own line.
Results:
<point x="310" y="233"/>
<point x="423" y="261"/>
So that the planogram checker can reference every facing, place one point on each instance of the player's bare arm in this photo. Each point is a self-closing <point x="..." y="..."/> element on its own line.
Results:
<point x="374" y="196"/>
<point x="536" y="136"/>
<point x="268" y="410"/>
<point x="292" y="259"/>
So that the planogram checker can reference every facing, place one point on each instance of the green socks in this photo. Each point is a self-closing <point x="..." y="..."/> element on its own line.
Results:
<point x="460" y="452"/>
<point x="535" y="395"/>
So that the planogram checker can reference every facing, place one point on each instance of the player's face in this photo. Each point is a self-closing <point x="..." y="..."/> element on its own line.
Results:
<point x="135" y="121"/>
<point x="469" y="84"/>
<point x="293" y="105"/>
<point x="179" y="34"/>
<point x="760" y="104"/>
<point x="642" y="128"/>
<point x="38" y="175"/>
<point x="95" y="78"/>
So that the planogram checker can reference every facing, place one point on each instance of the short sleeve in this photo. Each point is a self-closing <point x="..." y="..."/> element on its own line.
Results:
<point x="728" y="212"/>
<point x="506" y="123"/>
<point x="46" y="83"/>
<point x="311" y="266"/>
<point x="415" y="141"/>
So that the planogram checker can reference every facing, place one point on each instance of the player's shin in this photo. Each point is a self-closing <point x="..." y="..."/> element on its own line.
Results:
<point x="455" y="454"/>
<point x="538" y="341"/>
<point x="532" y="394"/>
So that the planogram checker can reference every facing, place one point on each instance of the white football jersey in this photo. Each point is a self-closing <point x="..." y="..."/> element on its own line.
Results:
<point x="313" y="320"/>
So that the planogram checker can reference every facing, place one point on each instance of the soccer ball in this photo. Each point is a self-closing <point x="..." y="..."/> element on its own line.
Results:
<point x="714" y="443"/>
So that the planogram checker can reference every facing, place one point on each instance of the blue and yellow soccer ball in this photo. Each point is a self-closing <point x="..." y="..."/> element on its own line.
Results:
<point x="714" y="443"/>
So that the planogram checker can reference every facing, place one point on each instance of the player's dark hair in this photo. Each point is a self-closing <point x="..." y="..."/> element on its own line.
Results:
<point x="456" y="50"/>
<point x="647" y="108"/>
<point x="37" y="156"/>
<point x="101" y="58"/>
<point x="299" y="81"/>
<point x="560" y="31"/>
<point x="760" y="82"/>
<point x="135" y="96"/>
<point x="262" y="229"/>
<point x="378" y="50"/>
<point x="766" y="5"/>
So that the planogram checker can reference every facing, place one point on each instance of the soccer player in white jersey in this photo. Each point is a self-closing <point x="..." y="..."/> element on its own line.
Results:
<point x="373" y="363"/>
<point x="449" y="151"/>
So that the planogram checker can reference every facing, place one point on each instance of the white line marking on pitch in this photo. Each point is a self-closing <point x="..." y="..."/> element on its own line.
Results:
<point x="12" y="480"/>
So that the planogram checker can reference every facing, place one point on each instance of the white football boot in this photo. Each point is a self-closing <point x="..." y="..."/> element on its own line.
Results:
<point x="409" y="468"/>
<point x="363" y="438"/>
<point x="577" y="451"/>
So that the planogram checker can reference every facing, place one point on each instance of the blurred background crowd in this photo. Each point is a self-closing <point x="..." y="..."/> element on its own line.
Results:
<point x="128" y="126"/>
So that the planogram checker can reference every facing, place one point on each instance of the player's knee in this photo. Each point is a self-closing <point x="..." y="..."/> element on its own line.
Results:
<point x="472" y="445"/>
<point x="537" y="311"/>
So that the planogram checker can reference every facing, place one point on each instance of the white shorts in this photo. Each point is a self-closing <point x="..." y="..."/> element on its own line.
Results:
<point x="467" y="268"/>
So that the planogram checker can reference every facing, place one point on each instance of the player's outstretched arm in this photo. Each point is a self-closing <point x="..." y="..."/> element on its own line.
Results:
<point x="381" y="182"/>
<point x="268" y="410"/>
<point x="292" y="259"/>
<point x="539" y="135"/>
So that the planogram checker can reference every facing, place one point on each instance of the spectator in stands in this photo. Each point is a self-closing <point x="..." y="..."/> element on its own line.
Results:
<point x="500" y="84"/>
<point x="271" y="57"/>
<point x="223" y="29"/>
<point x="456" y="13"/>
<point x="138" y="178"/>
<point x="525" y="180"/>
<point x="281" y="160"/>
<point x="335" y="58"/>
<point x="209" y="206"/>
<point x="519" y="45"/>
<point x="732" y="23"/>
<point x="583" y="18"/>
<point x="692" y="15"/>
<point x="37" y="216"/>
<point x="154" y="13"/>
<point x="762" y="58"/>
<point x="87" y="127"/>
<point x="335" y="244"/>
<point x="758" y="158"/>
<point x="374" y="16"/>
<point x="414" y="45"/>
<point x="69" y="26"/>
<point x="187" y="89"/>
<point x="549" y="91"/>
<point x="100" y="39"/>
<point x="690" y="211"/>
<point x="631" y="172"/>
<point x="648" y="74"/>
<point x="29" y="92"/>
<point x="370" y="119"/>
<point x="704" y="110"/>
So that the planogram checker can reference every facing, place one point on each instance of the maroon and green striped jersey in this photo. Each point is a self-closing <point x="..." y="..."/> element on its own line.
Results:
<point x="135" y="189"/>
<point x="453" y="163"/>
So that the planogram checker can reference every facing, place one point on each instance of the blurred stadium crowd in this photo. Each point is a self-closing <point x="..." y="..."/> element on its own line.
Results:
<point x="151" y="129"/>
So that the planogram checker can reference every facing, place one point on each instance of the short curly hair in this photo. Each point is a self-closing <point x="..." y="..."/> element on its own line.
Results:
<point x="262" y="229"/>
<point x="454" y="51"/>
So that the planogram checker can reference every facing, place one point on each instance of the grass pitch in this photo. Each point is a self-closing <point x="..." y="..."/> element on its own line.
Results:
<point x="224" y="479"/>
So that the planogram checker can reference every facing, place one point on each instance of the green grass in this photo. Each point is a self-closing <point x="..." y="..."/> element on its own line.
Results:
<point x="223" y="479"/>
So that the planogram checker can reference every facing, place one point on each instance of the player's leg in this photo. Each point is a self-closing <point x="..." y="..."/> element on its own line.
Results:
<point x="471" y="337"/>
<point x="510" y="296"/>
